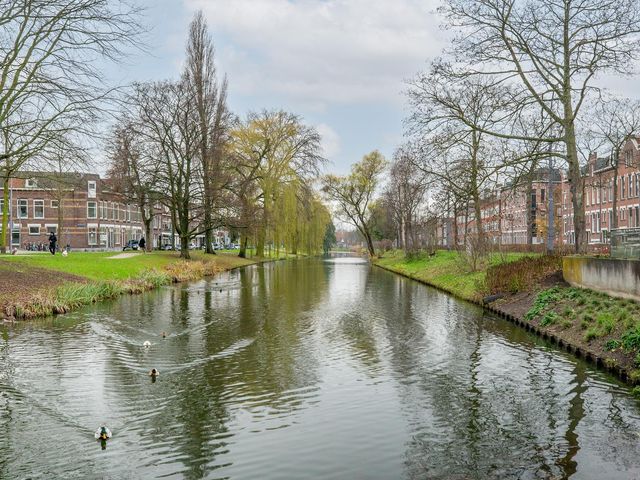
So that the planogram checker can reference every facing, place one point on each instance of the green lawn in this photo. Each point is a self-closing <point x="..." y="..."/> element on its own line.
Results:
<point x="98" y="265"/>
<point x="446" y="270"/>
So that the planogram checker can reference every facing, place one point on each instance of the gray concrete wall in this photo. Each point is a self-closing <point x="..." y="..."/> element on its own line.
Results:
<point x="617" y="277"/>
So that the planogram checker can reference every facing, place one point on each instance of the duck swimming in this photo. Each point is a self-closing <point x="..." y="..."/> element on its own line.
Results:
<point x="103" y="433"/>
<point x="146" y="343"/>
<point x="154" y="372"/>
<point x="164" y="334"/>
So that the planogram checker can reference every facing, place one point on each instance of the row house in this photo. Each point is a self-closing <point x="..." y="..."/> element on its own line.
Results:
<point x="490" y="208"/>
<point x="514" y="206"/>
<point x="91" y="215"/>
<point x="504" y="212"/>
<point x="598" y="186"/>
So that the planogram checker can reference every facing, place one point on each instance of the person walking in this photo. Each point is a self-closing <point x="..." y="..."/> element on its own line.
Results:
<point x="141" y="244"/>
<point x="52" y="243"/>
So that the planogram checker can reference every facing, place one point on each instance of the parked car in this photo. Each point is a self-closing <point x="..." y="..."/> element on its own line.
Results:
<point x="167" y="246"/>
<point x="131" y="245"/>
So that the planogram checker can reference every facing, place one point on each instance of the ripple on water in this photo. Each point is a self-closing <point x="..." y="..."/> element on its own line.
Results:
<point x="338" y="370"/>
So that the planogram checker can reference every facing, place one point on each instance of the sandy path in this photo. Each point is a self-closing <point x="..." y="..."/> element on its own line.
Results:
<point x="125" y="255"/>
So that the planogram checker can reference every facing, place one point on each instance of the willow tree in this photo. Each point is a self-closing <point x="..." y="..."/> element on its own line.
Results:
<point x="549" y="53"/>
<point x="48" y="87"/>
<point x="354" y="193"/>
<point x="274" y="149"/>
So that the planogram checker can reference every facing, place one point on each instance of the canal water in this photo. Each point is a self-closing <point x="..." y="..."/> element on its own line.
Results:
<point x="310" y="369"/>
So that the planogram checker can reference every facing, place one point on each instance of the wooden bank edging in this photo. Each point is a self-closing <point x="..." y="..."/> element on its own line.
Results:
<point x="610" y="365"/>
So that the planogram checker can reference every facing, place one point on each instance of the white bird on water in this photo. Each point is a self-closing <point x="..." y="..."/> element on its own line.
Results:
<point x="146" y="343"/>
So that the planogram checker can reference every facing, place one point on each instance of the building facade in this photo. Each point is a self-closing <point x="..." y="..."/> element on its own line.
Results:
<point x="598" y="188"/>
<point x="80" y="209"/>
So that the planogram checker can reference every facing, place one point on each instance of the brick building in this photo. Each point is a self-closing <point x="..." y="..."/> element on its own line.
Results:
<point x="598" y="196"/>
<point x="92" y="216"/>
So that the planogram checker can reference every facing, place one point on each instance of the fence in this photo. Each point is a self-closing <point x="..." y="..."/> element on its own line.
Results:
<point x="625" y="243"/>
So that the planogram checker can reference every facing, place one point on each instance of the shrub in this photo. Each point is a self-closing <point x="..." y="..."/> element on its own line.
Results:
<point x="612" y="345"/>
<point x="590" y="334"/>
<point x="564" y="324"/>
<point x="521" y="274"/>
<point x="606" y="322"/>
<point x="543" y="300"/>
<point x="631" y="339"/>
<point x="549" y="319"/>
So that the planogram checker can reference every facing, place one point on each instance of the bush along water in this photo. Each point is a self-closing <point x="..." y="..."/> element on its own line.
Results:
<point x="74" y="295"/>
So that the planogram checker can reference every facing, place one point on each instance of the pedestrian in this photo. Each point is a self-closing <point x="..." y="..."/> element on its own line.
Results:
<point x="52" y="243"/>
<point x="141" y="244"/>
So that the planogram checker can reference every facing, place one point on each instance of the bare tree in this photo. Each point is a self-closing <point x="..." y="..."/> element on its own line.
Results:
<point x="134" y="171"/>
<point x="213" y="117"/>
<point x="168" y="120"/>
<point x="353" y="193"/>
<point x="613" y="121"/>
<point x="48" y="89"/>
<point x="405" y="193"/>
<point x="547" y="53"/>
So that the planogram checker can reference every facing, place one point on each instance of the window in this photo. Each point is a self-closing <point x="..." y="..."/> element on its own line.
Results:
<point x="31" y="183"/>
<point x="34" y="229"/>
<point x="92" y="236"/>
<point x="91" y="210"/>
<point x="51" y="228"/>
<point x="611" y="190"/>
<point x="55" y="203"/>
<point x="38" y="209"/>
<point x="623" y="186"/>
<point x="91" y="189"/>
<point x="630" y="186"/>
<point x="23" y="208"/>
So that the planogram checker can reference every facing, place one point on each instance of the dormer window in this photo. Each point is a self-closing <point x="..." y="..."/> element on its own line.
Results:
<point x="91" y="189"/>
<point x="31" y="183"/>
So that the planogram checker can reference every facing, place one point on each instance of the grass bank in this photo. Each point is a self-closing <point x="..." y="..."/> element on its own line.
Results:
<point x="447" y="270"/>
<point x="42" y="285"/>
<point x="529" y="290"/>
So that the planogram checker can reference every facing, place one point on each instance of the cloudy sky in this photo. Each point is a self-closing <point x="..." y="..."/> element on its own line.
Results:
<point x="340" y="64"/>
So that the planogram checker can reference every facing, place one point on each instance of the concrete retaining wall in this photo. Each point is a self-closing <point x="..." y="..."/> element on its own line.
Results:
<point x="616" y="277"/>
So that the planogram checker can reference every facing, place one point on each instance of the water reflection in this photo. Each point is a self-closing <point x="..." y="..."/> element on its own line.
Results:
<point x="305" y="369"/>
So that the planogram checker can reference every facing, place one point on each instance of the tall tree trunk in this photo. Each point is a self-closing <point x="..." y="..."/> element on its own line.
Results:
<point x="529" y="210"/>
<point x="148" y="245"/>
<point x="5" y="216"/>
<point x="184" y="246"/>
<point x="614" y="211"/>
<point x="577" y="191"/>
<point x="260" y="242"/>
<point x="243" y="246"/>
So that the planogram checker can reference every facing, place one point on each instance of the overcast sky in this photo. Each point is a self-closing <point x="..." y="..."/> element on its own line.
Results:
<point x="340" y="64"/>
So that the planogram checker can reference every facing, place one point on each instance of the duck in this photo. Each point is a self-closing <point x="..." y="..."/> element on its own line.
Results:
<point x="103" y="433"/>
<point x="146" y="343"/>
<point x="164" y="334"/>
<point x="154" y="372"/>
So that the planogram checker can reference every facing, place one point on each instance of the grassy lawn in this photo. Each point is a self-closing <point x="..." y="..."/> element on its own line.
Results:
<point x="446" y="270"/>
<point x="98" y="265"/>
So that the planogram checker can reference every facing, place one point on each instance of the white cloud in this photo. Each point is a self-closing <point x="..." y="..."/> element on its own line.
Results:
<point x="330" y="140"/>
<point x="323" y="51"/>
